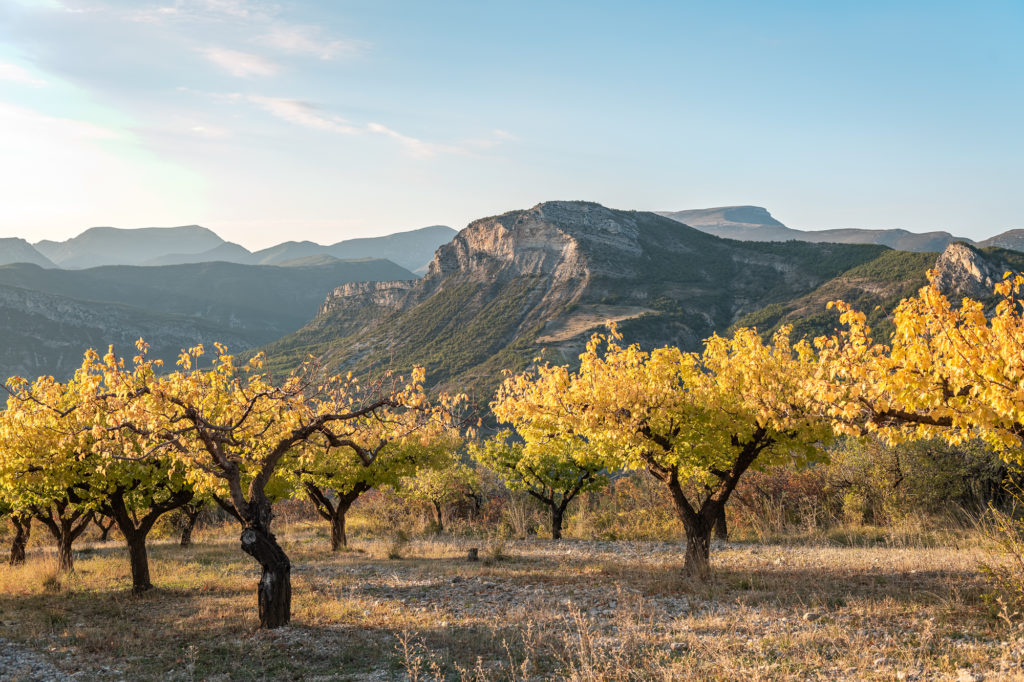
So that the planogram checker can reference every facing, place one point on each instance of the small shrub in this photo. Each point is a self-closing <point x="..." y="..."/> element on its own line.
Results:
<point x="397" y="545"/>
<point x="1006" y="569"/>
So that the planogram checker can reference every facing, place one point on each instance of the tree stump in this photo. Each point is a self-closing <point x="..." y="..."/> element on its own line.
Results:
<point x="473" y="554"/>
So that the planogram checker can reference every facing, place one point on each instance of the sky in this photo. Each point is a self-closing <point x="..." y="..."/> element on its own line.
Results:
<point x="271" y="121"/>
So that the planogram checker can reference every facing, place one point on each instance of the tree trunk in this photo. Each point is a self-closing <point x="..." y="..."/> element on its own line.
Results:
<point x="191" y="516"/>
<point x="65" y="557"/>
<point x="721" y="525"/>
<point x="556" y="522"/>
<point x="274" y="593"/>
<point x="335" y="511"/>
<point x="339" y="539"/>
<point x="139" y="560"/>
<point x="135" y="531"/>
<point x="65" y="528"/>
<point x="22" y="531"/>
<point x="698" y="550"/>
<point x="104" y="530"/>
<point x="439" y="516"/>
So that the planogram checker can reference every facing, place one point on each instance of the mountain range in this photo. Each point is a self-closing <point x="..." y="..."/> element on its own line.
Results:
<point x="540" y="281"/>
<point x="754" y="223"/>
<point x="49" y="317"/>
<point x="494" y="296"/>
<point x="100" y="246"/>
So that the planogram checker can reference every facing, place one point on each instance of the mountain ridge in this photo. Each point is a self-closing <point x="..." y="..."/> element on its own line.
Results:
<point x="555" y="272"/>
<point x="755" y="223"/>
<point x="159" y="246"/>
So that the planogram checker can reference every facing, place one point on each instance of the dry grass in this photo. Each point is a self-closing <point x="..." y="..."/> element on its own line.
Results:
<point x="581" y="610"/>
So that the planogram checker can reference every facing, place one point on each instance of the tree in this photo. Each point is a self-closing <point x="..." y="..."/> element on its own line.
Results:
<point x="551" y="470"/>
<point x="91" y="465"/>
<point x="696" y="422"/>
<point x="235" y="432"/>
<point x="949" y="371"/>
<point x="374" y="453"/>
<point x="443" y="485"/>
<point x="43" y="445"/>
<point x="186" y="518"/>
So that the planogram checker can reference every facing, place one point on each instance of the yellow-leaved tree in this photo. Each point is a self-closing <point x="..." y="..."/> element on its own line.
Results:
<point x="64" y="457"/>
<point x="370" y="452"/>
<point x="695" y="421"/>
<point x="952" y="371"/>
<point x="553" y="470"/>
<point x="240" y="435"/>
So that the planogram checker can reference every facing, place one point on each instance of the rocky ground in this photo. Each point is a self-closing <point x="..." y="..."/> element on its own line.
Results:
<point x="528" y="610"/>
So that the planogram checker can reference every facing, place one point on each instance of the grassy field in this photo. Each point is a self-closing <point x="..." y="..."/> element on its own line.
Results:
<point x="536" y="609"/>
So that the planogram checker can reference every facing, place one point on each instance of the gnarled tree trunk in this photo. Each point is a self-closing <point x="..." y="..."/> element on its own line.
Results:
<point x="274" y="592"/>
<point x="22" y="531"/>
<point x="438" y="516"/>
<point x="104" y="530"/>
<point x="698" y="548"/>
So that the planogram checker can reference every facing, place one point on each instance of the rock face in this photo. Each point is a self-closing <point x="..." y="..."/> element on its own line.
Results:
<point x="961" y="270"/>
<point x="508" y="286"/>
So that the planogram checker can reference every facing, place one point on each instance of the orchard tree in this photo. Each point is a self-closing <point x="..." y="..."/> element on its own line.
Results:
<point x="185" y="519"/>
<point x="553" y="470"/>
<point x="443" y="485"/>
<point x="695" y="421"/>
<point x="948" y="371"/>
<point x="64" y="442"/>
<point x="44" y="447"/>
<point x="366" y="453"/>
<point x="237" y="433"/>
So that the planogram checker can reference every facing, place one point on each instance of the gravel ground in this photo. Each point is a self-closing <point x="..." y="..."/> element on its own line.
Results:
<point x="18" y="664"/>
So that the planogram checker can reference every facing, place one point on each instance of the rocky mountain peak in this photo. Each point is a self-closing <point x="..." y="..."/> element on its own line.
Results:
<point x="561" y="239"/>
<point x="963" y="271"/>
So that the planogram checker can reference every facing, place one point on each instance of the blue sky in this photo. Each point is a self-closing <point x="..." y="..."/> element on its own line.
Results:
<point x="268" y="121"/>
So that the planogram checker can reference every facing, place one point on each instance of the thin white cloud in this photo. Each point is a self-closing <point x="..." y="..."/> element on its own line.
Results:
<point x="308" y="115"/>
<point x="240" y="64"/>
<point x="303" y="114"/>
<point x="305" y="40"/>
<point x="415" y="147"/>
<point x="16" y="74"/>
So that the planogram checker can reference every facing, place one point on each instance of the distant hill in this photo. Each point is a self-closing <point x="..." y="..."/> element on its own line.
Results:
<point x="412" y="250"/>
<point x="99" y="246"/>
<point x="64" y="312"/>
<point x="14" y="250"/>
<point x="753" y="223"/>
<point x="1011" y="239"/>
<point x="226" y="252"/>
<point x="545" y="278"/>
<point x="114" y="246"/>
